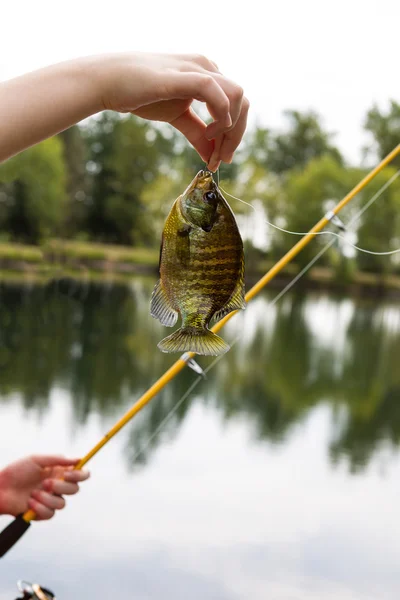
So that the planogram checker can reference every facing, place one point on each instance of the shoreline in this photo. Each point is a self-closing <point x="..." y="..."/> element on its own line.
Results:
<point x="80" y="260"/>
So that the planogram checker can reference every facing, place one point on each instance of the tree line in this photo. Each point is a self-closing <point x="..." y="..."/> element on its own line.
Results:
<point x="113" y="179"/>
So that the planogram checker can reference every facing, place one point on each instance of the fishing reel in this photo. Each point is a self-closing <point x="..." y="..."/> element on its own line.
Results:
<point x="33" y="591"/>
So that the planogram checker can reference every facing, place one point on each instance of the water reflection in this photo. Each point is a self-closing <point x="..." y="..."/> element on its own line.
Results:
<point x="98" y="342"/>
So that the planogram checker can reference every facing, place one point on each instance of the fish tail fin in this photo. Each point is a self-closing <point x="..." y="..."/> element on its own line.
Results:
<point x="194" y="339"/>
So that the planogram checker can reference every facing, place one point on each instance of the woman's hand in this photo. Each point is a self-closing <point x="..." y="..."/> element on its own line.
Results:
<point x="39" y="483"/>
<point x="168" y="85"/>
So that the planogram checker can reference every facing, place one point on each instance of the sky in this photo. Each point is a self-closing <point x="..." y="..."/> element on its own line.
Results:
<point x="337" y="58"/>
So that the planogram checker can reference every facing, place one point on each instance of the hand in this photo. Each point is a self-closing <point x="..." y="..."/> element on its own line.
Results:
<point x="38" y="482"/>
<point x="162" y="87"/>
<point x="159" y="87"/>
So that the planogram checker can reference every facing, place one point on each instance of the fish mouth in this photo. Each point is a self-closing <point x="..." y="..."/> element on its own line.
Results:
<point x="204" y="179"/>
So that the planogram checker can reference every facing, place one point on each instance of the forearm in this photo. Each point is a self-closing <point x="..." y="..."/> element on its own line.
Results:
<point x="40" y="104"/>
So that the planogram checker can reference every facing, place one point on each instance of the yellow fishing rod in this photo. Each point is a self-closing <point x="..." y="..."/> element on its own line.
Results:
<point x="11" y="534"/>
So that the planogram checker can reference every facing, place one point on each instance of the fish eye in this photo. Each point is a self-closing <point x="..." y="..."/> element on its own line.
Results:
<point x="210" y="196"/>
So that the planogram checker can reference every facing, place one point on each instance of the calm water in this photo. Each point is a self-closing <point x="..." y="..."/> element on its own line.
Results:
<point x="277" y="478"/>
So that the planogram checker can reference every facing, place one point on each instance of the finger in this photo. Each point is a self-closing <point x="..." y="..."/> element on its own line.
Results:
<point x="202" y="61"/>
<point x="54" y="460"/>
<point x="75" y="476"/>
<point x="233" y="137"/>
<point x="214" y="160"/>
<point x="42" y="512"/>
<point x="60" y="487"/>
<point x="193" y="128"/>
<point x="204" y="88"/>
<point x="235" y="95"/>
<point x="48" y="500"/>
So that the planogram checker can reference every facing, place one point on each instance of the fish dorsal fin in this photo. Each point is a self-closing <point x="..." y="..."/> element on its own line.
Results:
<point x="236" y="301"/>
<point x="160" y="306"/>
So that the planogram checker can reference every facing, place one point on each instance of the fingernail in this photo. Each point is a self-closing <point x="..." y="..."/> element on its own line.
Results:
<point x="71" y="475"/>
<point x="213" y="165"/>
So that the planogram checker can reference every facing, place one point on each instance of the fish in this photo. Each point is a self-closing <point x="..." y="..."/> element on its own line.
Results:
<point x="201" y="268"/>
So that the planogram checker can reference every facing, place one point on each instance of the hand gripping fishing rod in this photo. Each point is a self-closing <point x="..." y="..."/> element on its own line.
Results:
<point x="12" y="533"/>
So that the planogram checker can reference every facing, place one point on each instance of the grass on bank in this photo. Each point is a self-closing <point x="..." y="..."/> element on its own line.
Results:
<point x="100" y="252"/>
<point x="19" y="253"/>
<point x="46" y="260"/>
<point x="58" y="251"/>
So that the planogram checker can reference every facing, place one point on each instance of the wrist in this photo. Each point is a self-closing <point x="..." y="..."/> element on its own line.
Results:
<point x="118" y="80"/>
<point x="85" y="73"/>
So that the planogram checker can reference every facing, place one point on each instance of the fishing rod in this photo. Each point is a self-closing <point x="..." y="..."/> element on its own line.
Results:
<point x="14" y="531"/>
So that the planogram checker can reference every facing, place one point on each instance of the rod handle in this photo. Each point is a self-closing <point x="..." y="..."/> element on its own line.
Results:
<point x="12" y="533"/>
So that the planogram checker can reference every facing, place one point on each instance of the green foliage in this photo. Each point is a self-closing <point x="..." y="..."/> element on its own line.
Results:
<point x="384" y="128"/>
<point x="62" y="251"/>
<point x="113" y="180"/>
<point x="380" y="225"/>
<point x="15" y="252"/>
<point x="303" y="141"/>
<point x="33" y="191"/>
<point x="309" y="194"/>
<point x="158" y="197"/>
<point x="75" y="154"/>
<point x="125" y="157"/>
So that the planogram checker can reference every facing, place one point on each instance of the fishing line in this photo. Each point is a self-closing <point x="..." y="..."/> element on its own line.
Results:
<point x="274" y="301"/>
<point x="165" y="420"/>
<point x="337" y="235"/>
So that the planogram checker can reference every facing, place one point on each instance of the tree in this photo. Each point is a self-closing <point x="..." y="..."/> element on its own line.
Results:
<point x="384" y="128"/>
<point x="33" y="186"/>
<point x="303" y="141"/>
<point x="309" y="194"/>
<point x="75" y="155"/>
<point x="126" y="155"/>
<point x="379" y="230"/>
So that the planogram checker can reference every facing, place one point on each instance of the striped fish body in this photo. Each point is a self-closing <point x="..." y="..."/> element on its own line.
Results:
<point x="201" y="269"/>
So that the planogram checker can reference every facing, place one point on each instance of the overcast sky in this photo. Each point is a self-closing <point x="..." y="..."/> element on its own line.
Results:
<point x="337" y="58"/>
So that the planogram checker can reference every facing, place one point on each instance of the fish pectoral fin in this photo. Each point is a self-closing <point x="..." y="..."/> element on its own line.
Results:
<point x="235" y="302"/>
<point x="184" y="229"/>
<point x="160" y="306"/>
<point x="182" y="245"/>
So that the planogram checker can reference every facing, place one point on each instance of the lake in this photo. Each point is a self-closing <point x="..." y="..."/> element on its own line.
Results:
<point x="277" y="477"/>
